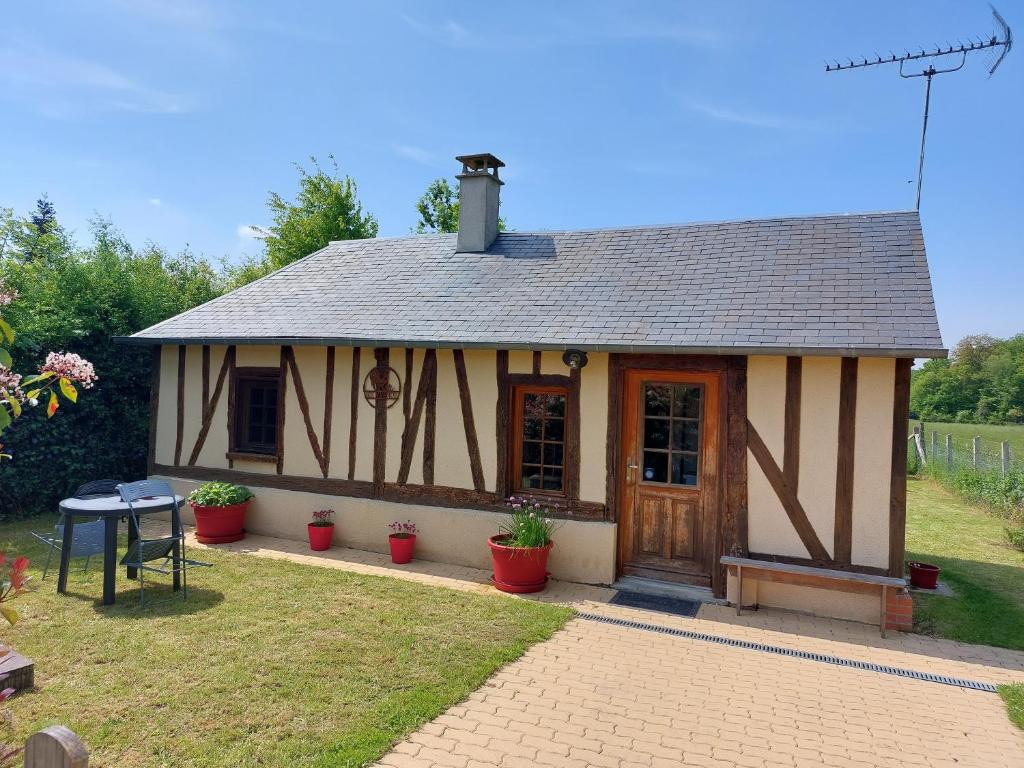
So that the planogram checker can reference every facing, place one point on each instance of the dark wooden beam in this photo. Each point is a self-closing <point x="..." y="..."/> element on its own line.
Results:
<point x="468" y="424"/>
<point x="787" y="496"/>
<point x="572" y="440"/>
<point x="430" y="426"/>
<point x="536" y="363"/>
<point x="380" y="426"/>
<point x="328" y="409"/>
<point x="412" y="424"/>
<point x="211" y="405"/>
<point x="732" y="538"/>
<point x="407" y="386"/>
<point x="613" y="448"/>
<point x="353" y="413"/>
<point x="898" y="474"/>
<point x="231" y="408"/>
<point x="501" y="427"/>
<point x="843" y="551"/>
<point x="432" y="496"/>
<point x="791" y="433"/>
<point x="155" y="361"/>
<point x="282" y="388"/>
<point x="181" y="405"/>
<point x="300" y="395"/>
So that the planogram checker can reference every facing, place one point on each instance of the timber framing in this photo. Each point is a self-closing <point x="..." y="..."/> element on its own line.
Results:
<point x="898" y="475"/>
<point x="502" y="420"/>
<point x="282" y="386"/>
<point x="791" y="418"/>
<point x="843" y="544"/>
<point x="468" y="424"/>
<point x="300" y="395"/>
<point x="210" y="403"/>
<point x="180" y="418"/>
<point x="412" y="424"/>
<point x="380" y="424"/>
<point x="328" y="408"/>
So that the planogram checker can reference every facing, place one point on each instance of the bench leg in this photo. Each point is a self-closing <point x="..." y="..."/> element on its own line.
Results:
<point x="884" y="616"/>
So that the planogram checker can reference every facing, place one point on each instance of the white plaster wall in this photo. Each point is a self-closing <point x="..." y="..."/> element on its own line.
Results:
<point x="583" y="551"/>
<point x="819" y="441"/>
<point x="872" y="469"/>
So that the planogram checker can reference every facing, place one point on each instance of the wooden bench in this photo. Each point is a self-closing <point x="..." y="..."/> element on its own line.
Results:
<point x="808" y="576"/>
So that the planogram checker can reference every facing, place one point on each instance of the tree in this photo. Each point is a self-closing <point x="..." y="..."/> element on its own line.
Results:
<point x="326" y="209"/>
<point x="438" y="208"/>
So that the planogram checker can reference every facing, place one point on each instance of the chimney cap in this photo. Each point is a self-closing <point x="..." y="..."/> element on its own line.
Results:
<point x="480" y="163"/>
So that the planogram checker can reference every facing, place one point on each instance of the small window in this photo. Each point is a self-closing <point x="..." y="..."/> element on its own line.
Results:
<point x="539" y="439"/>
<point x="672" y="433"/>
<point x="256" y="396"/>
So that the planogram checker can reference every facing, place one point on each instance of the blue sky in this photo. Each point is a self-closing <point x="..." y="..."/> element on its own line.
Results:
<point x="175" y="118"/>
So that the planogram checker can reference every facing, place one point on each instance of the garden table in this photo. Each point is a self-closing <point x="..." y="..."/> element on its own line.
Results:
<point x="111" y="509"/>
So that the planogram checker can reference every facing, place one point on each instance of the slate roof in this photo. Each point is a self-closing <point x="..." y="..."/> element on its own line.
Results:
<point x="843" y="284"/>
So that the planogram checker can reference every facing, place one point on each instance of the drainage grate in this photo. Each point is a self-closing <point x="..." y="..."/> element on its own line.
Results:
<point x="781" y="651"/>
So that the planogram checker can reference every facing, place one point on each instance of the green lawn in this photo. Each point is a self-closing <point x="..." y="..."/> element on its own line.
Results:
<point x="268" y="663"/>
<point x="985" y="572"/>
<point x="1013" y="695"/>
<point x="990" y="434"/>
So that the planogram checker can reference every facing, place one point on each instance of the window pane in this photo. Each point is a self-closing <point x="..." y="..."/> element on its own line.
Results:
<point x="534" y="405"/>
<point x="530" y="477"/>
<point x="554" y="429"/>
<point x="655" y="467"/>
<point x="656" y="433"/>
<point x="686" y="401"/>
<point x="532" y="429"/>
<point x="656" y="399"/>
<point x="685" y="435"/>
<point x="552" y="479"/>
<point x="684" y="468"/>
<point x="531" y="452"/>
<point x="553" y="454"/>
<point x="555" y="405"/>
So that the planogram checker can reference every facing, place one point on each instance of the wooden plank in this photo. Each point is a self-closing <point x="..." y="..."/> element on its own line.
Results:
<point x="434" y="496"/>
<point x="211" y="405"/>
<point x="282" y="388"/>
<point x="180" y="425"/>
<point x="353" y="413"/>
<point x="791" y="434"/>
<point x="430" y="426"/>
<point x="572" y="440"/>
<point x="898" y="473"/>
<point x="300" y="395"/>
<point x="536" y="363"/>
<point x="155" y="363"/>
<point x="795" y="511"/>
<point x="380" y="427"/>
<point x="842" y="581"/>
<point x="501" y="426"/>
<point x="842" y="552"/>
<point x="412" y="424"/>
<point x="206" y="377"/>
<point x="466" y="401"/>
<point x="328" y="409"/>
<point x="811" y="563"/>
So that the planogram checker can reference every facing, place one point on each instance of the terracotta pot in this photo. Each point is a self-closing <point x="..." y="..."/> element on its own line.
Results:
<point x="320" y="536"/>
<point x="402" y="546"/>
<point x="519" y="569"/>
<point x="220" y="525"/>
<point x="924" y="575"/>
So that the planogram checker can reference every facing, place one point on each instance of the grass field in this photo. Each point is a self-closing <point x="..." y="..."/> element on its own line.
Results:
<point x="990" y="434"/>
<point x="268" y="663"/>
<point x="977" y="562"/>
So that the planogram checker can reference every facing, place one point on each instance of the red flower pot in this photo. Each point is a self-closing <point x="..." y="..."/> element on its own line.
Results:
<point x="220" y="525"/>
<point x="402" y="546"/>
<point x="519" y="569"/>
<point x="320" y="536"/>
<point x="924" y="575"/>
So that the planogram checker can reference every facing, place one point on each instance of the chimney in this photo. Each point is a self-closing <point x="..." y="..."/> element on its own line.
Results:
<point x="478" y="202"/>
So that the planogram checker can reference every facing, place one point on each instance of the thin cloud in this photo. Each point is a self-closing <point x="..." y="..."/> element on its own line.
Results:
<point x="63" y="85"/>
<point x="417" y="154"/>
<point x="748" y="118"/>
<point x="250" y="232"/>
<point x="156" y="202"/>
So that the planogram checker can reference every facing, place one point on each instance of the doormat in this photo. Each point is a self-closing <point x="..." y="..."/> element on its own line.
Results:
<point x="674" y="605"/>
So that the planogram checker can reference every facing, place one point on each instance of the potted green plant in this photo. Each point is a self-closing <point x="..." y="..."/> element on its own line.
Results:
<point x="402" y="541"/>
<point x="520" y="549"/>
<point x="321" y="530"/>
<point x="220" y="511"/>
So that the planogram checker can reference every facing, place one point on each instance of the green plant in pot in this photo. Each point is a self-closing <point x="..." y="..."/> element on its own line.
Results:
<point x="220" y="511"/>
<point x="520" y="550"/>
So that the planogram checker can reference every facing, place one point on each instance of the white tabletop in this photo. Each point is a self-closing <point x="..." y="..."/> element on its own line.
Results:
<point x="113" y="506"/>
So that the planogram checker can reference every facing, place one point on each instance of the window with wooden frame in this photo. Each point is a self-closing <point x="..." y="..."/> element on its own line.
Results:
<point x="539" y="432"/>
<point x="257" y="407"/>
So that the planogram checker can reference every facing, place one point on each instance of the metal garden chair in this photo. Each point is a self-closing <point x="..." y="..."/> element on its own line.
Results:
<point x="88" y="537"/>
<point x="168" y="550"/>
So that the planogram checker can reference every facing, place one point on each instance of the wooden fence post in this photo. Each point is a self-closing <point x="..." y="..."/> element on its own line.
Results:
<point x="949" y="452"/>
<point x="1006" y="457"/>
<point x="977" y="453"/>
<point x="935" y="445"/>
<point x="55" y="747"/>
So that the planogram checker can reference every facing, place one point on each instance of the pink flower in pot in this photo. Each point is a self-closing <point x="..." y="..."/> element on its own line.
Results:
<point x="520" y="550"/>
<point x="321" y="530"/>
<point x="402" y="541"/>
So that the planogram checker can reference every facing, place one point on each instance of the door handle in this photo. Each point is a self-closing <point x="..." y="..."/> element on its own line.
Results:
<point x="631" y="467"/>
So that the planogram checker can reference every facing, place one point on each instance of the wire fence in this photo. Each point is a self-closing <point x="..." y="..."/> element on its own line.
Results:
<point x="981" y="470"/>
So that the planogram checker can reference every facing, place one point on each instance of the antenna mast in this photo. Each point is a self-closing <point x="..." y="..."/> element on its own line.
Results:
<point x="990" y="44"/>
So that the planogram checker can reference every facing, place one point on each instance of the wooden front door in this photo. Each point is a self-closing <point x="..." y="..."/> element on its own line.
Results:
<point x="670" y="478"/>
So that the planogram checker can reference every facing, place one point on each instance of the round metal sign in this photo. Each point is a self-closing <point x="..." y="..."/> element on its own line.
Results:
<point x="381" y="387"/>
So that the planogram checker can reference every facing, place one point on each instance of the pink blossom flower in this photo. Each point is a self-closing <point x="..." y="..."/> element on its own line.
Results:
<point x="70" y="366"/>
<point x="7" y="295"/>
<point x="10" y="384"/>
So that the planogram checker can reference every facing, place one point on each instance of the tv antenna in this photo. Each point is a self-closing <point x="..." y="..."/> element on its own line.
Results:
<point x="958" y="57"/>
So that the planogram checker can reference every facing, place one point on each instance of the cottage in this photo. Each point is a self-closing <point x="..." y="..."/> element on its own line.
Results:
<point x="685" y="393"/>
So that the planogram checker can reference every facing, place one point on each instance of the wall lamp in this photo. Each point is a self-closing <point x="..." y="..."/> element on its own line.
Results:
<point x="575" y="359"/>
